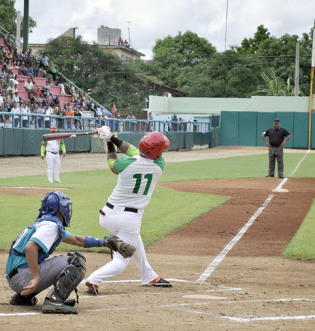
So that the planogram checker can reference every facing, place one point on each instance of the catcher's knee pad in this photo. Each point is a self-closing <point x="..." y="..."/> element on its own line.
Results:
<point x="77" y="259"/>
<point x="69" y="278"/>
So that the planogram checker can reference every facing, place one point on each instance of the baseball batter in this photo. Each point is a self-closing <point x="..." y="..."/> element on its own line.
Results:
<point x="138" y="172"/>
<point x="28" y="269"/>
<point x="52" y="148"/>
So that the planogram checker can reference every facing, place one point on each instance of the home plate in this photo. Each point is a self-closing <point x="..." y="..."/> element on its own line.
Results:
<point x="204" y="296"/>
<point x="280" y="190"/>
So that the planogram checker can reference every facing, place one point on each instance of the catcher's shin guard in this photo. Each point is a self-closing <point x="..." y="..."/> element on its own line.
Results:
<point x="68" y="279"/>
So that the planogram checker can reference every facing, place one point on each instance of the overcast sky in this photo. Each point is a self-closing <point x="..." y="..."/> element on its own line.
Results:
<point x="150" y="20"/>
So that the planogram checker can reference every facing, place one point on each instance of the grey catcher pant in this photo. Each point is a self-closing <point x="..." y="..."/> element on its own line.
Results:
<point x="49" y="271"/>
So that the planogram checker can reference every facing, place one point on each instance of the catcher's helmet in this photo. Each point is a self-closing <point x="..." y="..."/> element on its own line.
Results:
<point x="53" y="128"/>
<point x="153" y="144"/>
<point x="57" y="201"/>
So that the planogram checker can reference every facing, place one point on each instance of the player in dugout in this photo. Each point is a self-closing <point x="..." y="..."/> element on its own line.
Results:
<point x="138" y="172"/>
<point x="29" y="271"/>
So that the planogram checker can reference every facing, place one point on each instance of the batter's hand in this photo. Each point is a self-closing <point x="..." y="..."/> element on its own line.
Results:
<point x="42" y="157"/>
<point x="31" y="287"/>
<point x="104" y="132"/>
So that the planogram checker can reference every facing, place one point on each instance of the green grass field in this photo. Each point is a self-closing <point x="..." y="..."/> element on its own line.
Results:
<point x="168" y="209"/>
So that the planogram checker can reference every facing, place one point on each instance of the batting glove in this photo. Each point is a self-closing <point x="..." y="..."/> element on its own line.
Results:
<point x="104" y="132"/>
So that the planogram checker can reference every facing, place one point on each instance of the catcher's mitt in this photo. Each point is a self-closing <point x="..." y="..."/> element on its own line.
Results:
<point x="117" y="245"/>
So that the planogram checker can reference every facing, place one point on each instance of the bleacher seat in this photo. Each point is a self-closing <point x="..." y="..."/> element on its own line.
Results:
<point x="39" y="81"/>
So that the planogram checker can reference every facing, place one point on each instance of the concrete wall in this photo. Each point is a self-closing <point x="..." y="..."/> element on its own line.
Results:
<point x="108" y="36"/>
<point x="216" y="105"/>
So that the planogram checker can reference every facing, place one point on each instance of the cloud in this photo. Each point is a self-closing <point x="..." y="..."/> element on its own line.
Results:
<point x="150" y="20"/>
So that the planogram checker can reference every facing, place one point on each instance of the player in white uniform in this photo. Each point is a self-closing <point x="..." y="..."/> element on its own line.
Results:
<point x="138" y="173"/>
<point x="52" y="148"/>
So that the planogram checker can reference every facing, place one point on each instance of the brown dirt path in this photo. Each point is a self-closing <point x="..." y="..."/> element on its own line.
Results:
<point x="252" y="288"/>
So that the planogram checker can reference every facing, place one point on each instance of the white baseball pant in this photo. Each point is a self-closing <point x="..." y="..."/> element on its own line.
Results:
<point x="126" y="225"/>
<point x="53" y="164"/>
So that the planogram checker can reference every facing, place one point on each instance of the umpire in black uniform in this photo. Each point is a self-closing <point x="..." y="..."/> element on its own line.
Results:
<point x="276" y="143"/>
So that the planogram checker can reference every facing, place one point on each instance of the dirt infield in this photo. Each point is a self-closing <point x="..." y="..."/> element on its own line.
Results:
<point x="251" y="288"/>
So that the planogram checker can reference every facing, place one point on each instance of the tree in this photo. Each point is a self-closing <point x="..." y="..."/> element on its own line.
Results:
<point x="182" y="52"/>
<point x="89" y="67"/>
<point x="275" y="86"/>
<point x="8" y="17"/>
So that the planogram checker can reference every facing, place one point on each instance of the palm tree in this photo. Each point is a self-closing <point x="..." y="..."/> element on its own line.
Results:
<point x="274" y="86"/>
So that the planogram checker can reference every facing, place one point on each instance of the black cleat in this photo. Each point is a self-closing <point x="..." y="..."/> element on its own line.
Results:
<point x="159" y="282"/>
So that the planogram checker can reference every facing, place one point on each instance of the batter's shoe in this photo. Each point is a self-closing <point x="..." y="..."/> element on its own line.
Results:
<point x="269" y="176"/>
<point x="159" y="282"/>
<point x="58" y="181"/>
<point x="21" y="300"/>
<point x="55" y="307"/>
<point x="92" y="288"/>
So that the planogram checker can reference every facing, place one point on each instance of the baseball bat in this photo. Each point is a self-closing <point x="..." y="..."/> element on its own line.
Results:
<point x="54" y="136"/>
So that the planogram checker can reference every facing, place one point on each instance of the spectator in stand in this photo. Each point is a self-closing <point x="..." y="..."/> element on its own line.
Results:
<point x="16" y="110"/>
<point x="10" y="65"/>
<point x="44" y="62"/>
<point x="5" y="53"/>
<point x="16" y="56"/>
<point x="61" y="82"/>
<point x="10" y="53"/>
<point x="29" y="87"/>
<point x="22" y="58"/>
<point x="130" y="125"/>
<point x="7" y="109"/>
<point x="52" y="69"/>
<point x="3" y="75"/>
<point x="7" y="39"/>
<point x="24" y="110"/>
<point x="29" y="58"/>
<point x="1" y="54"/>
<point x="48" y="83"/>
<point x="34" y="71"/>
<point x="69" y="112"/>
<point x="70" y="89"/>
<point x="78" y="122"/>
<point x="10" y="98"/>
<point x="25" y="71"/>
<point x="120" y="42"/>
<point x="38" y="110"/>
<point x="16" y="97"/>
<point x="57" y="101"/>
<point x="38" y="94"/>
<point x="48" y="111"/>
<point x="126" y="44"/>
<point x="60" y="121"/>
<point x="91" y="106"/>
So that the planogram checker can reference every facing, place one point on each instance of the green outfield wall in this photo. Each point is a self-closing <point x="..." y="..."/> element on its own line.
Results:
<point x="245" y="128"/>
<point x="19" y="141"/>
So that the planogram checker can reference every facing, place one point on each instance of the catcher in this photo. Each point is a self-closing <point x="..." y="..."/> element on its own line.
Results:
<point x="30" y="271"/>
<point x="138" y="172"/>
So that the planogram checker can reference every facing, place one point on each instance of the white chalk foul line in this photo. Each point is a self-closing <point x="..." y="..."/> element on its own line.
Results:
<point x="231" y="244"/>
<point x="239" y="235"/>
<point x="269" y="318"/>
<point x="169" y="306"/>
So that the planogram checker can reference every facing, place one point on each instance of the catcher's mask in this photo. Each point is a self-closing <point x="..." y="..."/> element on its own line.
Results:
<point x="57" y="201"/>
<point x="153" y="144"/>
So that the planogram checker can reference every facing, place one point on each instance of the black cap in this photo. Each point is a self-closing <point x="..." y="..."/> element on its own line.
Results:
<point x="276" y="120"/>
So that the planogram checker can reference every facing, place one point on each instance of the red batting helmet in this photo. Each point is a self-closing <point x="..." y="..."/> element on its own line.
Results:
<point x="153" y="144"/>
<point x="53" y="128"/>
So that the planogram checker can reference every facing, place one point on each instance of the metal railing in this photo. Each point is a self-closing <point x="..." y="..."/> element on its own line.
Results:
<point x="42" y="121"/>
